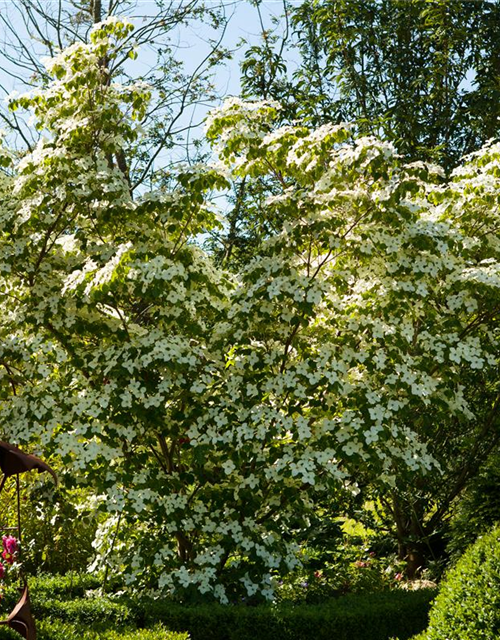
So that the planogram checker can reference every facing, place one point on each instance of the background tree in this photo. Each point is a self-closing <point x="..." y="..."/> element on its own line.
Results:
<point x="425" y="75"/>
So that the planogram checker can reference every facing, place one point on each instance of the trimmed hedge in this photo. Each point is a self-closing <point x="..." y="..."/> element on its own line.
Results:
<point x="355" y="617"/>
<point x="62" y="616"/>
<point x="84" y="611"/>
<point x="468" y="604"/>
<point x="57" y="630"/>
<point x="67" y="587"/>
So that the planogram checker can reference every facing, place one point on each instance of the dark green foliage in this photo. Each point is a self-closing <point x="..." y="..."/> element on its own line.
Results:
<point x="477" y="511"/>
<point x="468" y="604"/>
<point x="66" y="608"/>
<point x="370" y="617"/>
<point x="56" y="630"/>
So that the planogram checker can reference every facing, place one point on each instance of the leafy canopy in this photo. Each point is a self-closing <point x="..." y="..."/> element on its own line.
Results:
<point x="205" y="409"/>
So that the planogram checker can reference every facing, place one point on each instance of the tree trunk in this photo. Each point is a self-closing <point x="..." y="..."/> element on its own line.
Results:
<point x="96" y="9"/>
<point x="409" y="535"/>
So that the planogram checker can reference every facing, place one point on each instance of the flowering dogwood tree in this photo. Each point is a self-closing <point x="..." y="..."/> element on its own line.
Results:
<point x="207" y="408"/>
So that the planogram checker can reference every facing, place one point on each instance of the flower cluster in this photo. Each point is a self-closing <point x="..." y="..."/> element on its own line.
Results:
<point x="9" y="555"/>
<point x="10" y="549"/>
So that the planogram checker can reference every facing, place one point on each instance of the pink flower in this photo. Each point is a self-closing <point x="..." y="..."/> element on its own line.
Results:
<point x="10" y="544"/>
<point x="10" y="548"/>
<point x="398" y="576"/>
<point x="2" y="571"/>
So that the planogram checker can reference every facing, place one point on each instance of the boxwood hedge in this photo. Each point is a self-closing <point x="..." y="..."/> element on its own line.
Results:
<point x="68" y="608"/>
<point x="468" y="604"/>
<point x="356" y="617"/>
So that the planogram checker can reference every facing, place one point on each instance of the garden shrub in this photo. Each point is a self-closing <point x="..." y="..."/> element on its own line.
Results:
<point x="67" y="587"/>
<point x="468" y="604"/>
<point x="477" y="511"/>
<point x="57" y="630"/>
<point x="348" y="572"/>
<point x="352" y="617"/>
<point x="84" y="611"/>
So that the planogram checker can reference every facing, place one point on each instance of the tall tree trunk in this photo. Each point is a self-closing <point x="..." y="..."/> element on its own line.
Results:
<point x="96" y="9"/>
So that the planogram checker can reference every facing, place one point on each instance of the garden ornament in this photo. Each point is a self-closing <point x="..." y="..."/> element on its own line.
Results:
<point x="13" y="462"/>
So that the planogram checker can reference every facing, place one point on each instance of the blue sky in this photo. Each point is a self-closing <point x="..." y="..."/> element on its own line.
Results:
<point x="192" y="40"/>
<point x="190" y="43"/>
